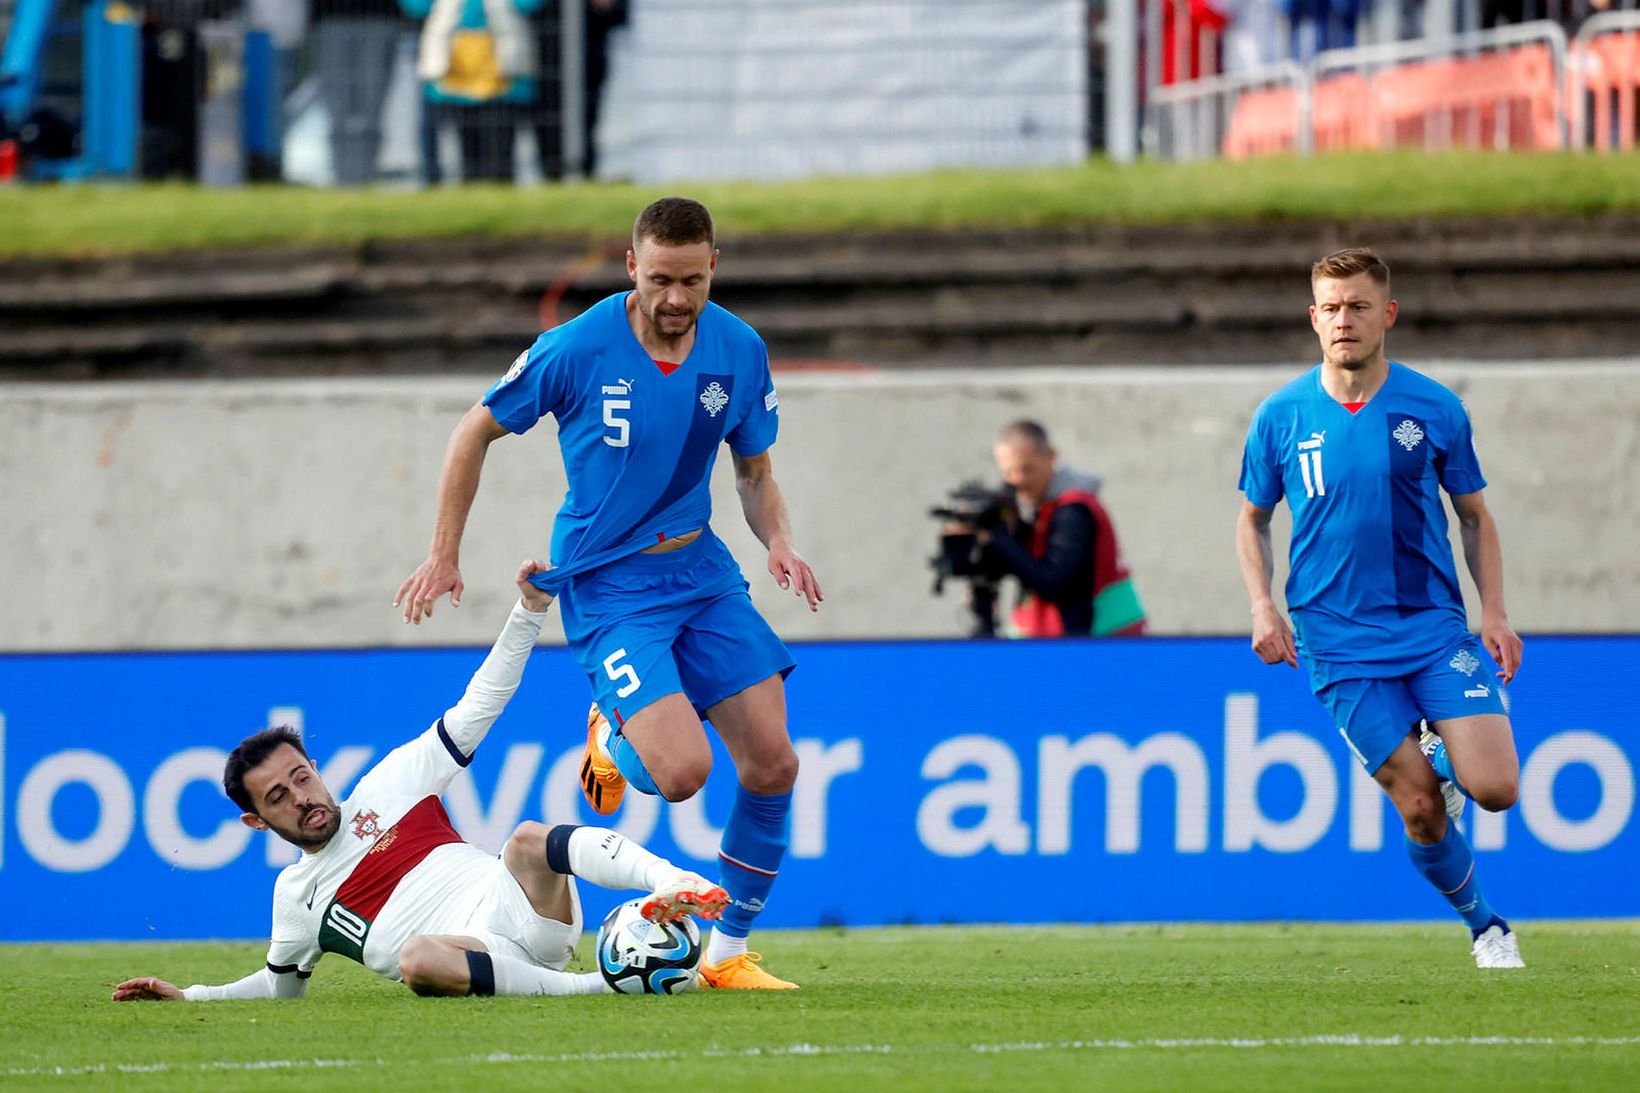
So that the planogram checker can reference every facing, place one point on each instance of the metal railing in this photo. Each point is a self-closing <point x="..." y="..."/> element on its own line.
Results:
<point x="1503" y="88"/>
<point x="1196" y="119"/>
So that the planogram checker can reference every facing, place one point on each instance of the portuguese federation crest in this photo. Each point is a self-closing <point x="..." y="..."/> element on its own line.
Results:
<point x="366" y="825"/>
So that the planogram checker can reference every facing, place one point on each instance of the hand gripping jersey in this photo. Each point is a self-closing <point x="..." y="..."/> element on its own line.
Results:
<point x="638" y="437"/>
<point x="396" y="868"/>
<point x="1371" y="586"/>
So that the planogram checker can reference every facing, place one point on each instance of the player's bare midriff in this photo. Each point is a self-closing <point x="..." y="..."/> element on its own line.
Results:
<point x="676" y="542"/>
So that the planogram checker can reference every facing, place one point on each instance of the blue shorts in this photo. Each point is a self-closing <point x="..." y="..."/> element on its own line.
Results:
<point x="1375" y="715"/>
<point x="650" y="625"/>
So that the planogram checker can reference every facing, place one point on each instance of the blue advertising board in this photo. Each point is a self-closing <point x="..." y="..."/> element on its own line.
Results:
<point x="1080" y="781"/>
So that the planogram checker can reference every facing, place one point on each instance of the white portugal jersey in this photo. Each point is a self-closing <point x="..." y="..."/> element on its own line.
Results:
<point x="394" y="870"/>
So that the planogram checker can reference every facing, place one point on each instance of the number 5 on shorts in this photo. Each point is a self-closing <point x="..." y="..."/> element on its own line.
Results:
<point x="618" y="672"/>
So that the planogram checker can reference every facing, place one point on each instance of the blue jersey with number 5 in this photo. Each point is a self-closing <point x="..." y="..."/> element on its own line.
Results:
<point x="1371" y="584"/>
<point x="638" y="437"/>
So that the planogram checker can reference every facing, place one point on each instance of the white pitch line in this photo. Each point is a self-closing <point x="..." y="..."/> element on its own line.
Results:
<point x="813" y="1050"/>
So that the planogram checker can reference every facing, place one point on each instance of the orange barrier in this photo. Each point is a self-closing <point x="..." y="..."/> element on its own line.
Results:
<point x="1264" y="123"/>
<point x="1610" y="68"/>
<point x="1494" y="100"/>
<point x="1344" y="114"/>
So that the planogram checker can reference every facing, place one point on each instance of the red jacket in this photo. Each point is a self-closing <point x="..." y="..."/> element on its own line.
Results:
<point x="1116" y="608"/>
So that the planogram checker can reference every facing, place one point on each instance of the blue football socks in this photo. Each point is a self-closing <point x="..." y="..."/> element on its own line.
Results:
<point x="754" y="841"/>
<point x="1450" y="866"/>
<point x="631" y="767"/>
<point x="1442" y="762"/>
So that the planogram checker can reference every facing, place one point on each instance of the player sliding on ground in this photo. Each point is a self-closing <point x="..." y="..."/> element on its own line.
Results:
<point x="1361" y="447"/>
<point x="385" y="880"/>
<point x="646" y="386"/>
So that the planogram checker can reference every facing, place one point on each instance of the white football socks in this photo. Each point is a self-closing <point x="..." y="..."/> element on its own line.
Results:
<point x="720" y="947"/>
<point x="514" y="976"/>
<point x="611" y="860"/>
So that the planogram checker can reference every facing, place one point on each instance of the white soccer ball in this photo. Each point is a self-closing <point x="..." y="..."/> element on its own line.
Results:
<point x="637" y="956"/>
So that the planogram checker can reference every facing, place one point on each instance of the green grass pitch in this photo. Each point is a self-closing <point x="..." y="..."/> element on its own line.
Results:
<point x="1288" y="1007"/>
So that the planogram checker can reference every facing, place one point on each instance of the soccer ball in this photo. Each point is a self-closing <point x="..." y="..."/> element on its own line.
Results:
<point x="637" y="956"/>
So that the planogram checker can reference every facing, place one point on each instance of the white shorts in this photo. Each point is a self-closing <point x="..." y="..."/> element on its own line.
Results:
<point x="507" y="924"/>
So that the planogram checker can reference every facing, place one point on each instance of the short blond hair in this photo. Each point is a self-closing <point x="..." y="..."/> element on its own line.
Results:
<point x="1343" y="264"/>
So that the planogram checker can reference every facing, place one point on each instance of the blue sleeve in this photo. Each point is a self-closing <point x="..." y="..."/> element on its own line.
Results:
<point x="1457" y="464"/>
<point x="535" y="386"/>
<point x="760" y="420"/>
<point x="1260" y="472"/>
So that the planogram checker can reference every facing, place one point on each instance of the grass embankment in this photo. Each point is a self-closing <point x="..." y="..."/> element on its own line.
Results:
<point x="101" y="220"/>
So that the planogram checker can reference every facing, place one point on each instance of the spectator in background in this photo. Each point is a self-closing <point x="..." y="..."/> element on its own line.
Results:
<point x="1252" y="35"/>
<point x="1186" y="59"/>
<point x="600" y="18"/>
<point x="1060" y="543"/>
<point x="603" y="17"/>
<point x="355" y="41"/>
<point x="1317" y="25"/>
<point x="478" y="58"/>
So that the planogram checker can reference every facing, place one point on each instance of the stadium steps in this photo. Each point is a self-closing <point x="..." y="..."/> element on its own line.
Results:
<point x="1087" y="296"/>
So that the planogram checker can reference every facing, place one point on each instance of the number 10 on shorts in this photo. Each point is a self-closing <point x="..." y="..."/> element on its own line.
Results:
<point x="618" y="672"/>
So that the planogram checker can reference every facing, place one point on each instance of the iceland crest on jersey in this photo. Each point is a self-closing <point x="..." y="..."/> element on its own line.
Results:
<point x="1465" y="662"/>
<point x="1408" y="434"/>
<point x="714" y="398"/>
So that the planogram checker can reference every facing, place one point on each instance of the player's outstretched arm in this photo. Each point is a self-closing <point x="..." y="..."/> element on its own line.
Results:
<point x="457" y="486"/>
<point x="1272" y="637"/>
<point x="765" y="509"/>
<point x="1483" y="552"/>
<point x="265" y="983"/>
<point x="496" y="680"/>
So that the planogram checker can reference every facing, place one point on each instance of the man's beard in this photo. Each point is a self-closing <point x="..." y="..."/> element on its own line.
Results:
<point x="655" y="317"/>
<point x="307" y="839"/>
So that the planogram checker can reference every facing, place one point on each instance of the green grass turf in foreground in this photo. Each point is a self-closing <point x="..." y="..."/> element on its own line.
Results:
<point x="1198" y="1007"/>
<point x="91" y="220"/>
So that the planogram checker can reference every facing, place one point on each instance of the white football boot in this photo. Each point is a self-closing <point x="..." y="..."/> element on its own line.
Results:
<point x="1450" y="793"/>
<point x="1497" y="948"/>
<point x="685" y="893"/>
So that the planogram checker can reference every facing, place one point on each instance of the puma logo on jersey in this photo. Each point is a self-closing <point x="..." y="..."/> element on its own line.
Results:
<point x="619" y="387"/>
<point x="1309" y="465"/>
<point x="1479" y="691"/>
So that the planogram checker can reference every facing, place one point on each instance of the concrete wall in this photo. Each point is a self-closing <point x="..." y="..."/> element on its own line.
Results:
<point x="285" y="514"/>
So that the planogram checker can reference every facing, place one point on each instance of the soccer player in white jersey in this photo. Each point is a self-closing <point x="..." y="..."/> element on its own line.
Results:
<point x="1361" y="447"/>
<point x="385" y="880"/>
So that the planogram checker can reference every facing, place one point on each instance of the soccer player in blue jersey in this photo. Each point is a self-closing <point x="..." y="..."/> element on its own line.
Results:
<point x="1360" y="447"/>
<point x="645" y="386"/>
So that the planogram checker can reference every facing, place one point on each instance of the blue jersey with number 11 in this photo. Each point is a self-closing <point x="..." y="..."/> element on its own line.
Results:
<point x="639" y="437"/>
<point x="1371" y="585"/>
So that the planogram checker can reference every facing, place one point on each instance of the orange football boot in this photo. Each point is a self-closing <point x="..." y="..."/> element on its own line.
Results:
<point x="742" y="973"/>
<point x="601" y="782"/>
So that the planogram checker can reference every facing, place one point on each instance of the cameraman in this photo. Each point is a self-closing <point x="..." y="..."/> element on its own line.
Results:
<point x="1058" y="540"/>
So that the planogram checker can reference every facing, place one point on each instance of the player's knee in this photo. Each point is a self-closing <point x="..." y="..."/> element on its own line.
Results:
<point x="529" y="838"/>
<point x="1497" y="794"/>
<point x="775" y="773"/>
<point x="1424" y="815"/>
<point x="418" y="965"/>
<point x="682" y="781"/>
